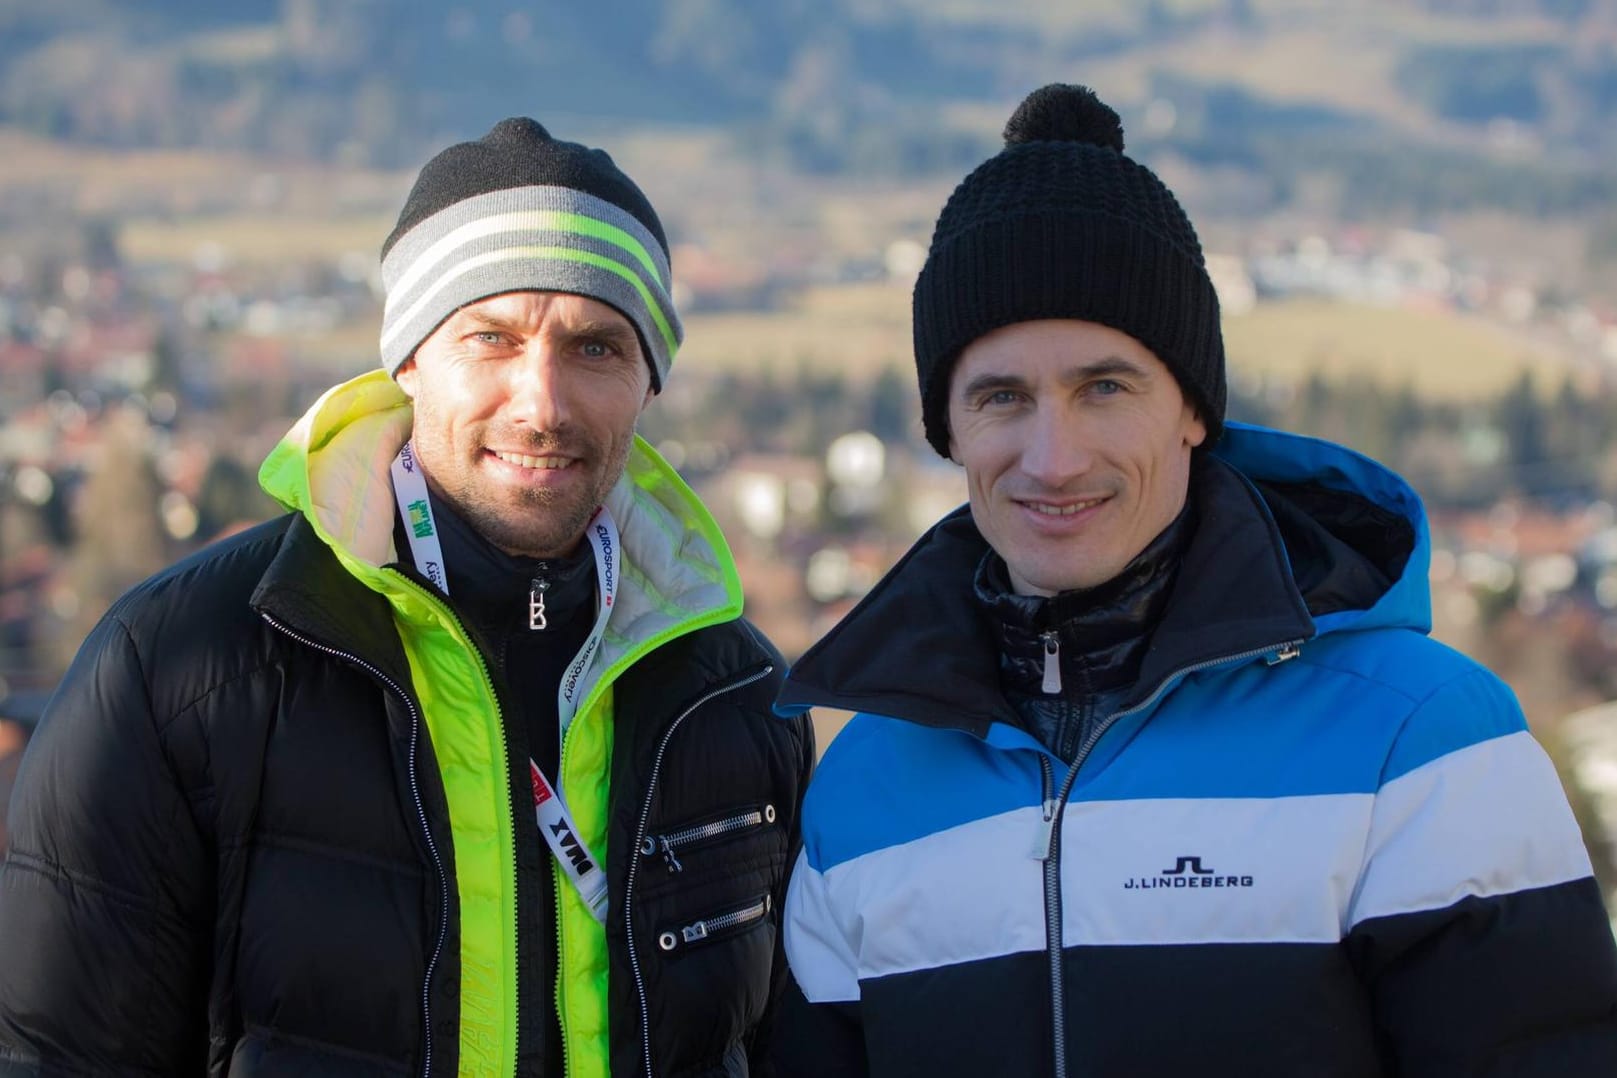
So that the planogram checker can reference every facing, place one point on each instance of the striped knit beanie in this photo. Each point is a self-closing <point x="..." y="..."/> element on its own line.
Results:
<point x="515" y="211"/>
<point x="1060" y="224"/>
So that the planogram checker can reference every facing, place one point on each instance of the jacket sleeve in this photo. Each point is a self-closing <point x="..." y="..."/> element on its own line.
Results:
<point x="1476" y="924"/>
<point x="820" y="1031"/>
<point x="760" y="1054"/>
<point x="103" y="894"/>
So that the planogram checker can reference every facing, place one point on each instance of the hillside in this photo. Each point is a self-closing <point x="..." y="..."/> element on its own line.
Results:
<point x="381" y="80"/>
<point x="1390" y="111"/>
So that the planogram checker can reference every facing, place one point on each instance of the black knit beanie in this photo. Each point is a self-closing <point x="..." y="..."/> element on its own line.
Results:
<point x="1060" y="224"/>
<point x="517" y="210"/>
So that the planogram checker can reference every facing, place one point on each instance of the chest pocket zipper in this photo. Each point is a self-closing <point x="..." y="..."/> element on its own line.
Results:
<point x="668" y="844"/>
<point x="725" y="924"/>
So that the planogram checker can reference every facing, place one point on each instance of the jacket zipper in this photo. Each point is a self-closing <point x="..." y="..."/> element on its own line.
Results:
<point x="697" y="931"/>
<point x="1048" y="841"/>
<point x="667" y="844"/>
<point x="639" y="840"/>
<point x="558" y="882"/>
<point x="1051" y="684"/>
<point x="421" y="816"/>
<point x="536" y="598"/>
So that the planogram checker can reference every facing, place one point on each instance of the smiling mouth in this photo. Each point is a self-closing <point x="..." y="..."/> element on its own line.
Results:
<point x="1046" y="509"/>
<point x="523" y="461"/>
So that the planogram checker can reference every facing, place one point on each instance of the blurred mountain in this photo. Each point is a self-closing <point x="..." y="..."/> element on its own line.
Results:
<point x="1414" y="105"/>
<point x="377" y="79"/>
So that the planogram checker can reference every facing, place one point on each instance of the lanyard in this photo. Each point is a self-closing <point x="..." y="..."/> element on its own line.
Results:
<point x="550" y="810"/>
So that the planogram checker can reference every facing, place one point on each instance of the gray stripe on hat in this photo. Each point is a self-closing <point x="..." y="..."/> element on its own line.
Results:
<point x="523" y="272"/>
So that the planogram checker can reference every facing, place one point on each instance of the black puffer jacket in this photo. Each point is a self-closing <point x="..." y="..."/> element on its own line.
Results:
<point x="231" y="848"/>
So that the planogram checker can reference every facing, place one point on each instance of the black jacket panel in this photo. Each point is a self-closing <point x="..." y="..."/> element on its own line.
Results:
<point x="694" y="763"/>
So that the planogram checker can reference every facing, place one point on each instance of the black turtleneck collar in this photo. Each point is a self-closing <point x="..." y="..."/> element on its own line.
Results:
<point x="490" y="587"/>
<point x="1097" y="637"/>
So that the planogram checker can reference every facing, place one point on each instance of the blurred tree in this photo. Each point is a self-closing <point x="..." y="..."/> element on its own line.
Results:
<point x="1520" y="417"/>
<point x="230" y="496"/>
<point x="893" y="408"/>
<point x="120" y="535"/>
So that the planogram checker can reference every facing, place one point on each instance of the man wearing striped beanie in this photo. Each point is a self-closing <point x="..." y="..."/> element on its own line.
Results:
<point x="464" y="765"/>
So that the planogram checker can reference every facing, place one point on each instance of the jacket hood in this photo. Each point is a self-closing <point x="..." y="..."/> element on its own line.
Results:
<point x="1294" y="537"/>
<point x="332" y="468"/>
<point x="1362" y="504"/>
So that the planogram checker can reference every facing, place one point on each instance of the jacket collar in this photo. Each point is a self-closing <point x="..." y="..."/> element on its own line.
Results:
<point x="309" y="591"/>
<point x="920" y="647"/>
<point x="677" y="573"/>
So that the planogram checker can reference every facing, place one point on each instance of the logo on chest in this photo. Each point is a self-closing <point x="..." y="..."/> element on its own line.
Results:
<point x="1186" y="872"/>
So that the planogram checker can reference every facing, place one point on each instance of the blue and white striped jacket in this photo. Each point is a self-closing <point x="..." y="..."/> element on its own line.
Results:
<point x="1313" y="841"/>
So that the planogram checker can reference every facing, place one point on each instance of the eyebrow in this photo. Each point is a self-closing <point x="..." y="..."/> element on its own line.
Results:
<point x="482" y="321"/>
<point x="993" y="381"/>
<point x="615" y="333"/>
<point x="600" y="329"/>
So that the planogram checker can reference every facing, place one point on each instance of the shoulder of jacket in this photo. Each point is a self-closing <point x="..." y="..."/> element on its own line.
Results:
<point x="216" y="581"/>
<point x="1402" y="661"/>
<point x="715" y="653"/>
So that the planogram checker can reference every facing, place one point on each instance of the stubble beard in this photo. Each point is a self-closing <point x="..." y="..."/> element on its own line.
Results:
<point x="540" y="523"/>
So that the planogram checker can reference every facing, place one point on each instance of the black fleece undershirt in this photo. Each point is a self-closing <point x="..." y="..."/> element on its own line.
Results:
<point x="1103" y="633"/>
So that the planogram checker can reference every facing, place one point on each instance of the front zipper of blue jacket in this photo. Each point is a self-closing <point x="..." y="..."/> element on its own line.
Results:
<point x="1054" y="808"/>
<point x="421" y="815"/>
<point x="639" y="841"/>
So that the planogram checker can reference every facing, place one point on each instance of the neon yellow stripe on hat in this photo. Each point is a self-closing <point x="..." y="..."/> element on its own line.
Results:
<point x="523" y="221"/>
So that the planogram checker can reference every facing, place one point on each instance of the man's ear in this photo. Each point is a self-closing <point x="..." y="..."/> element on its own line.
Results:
<point x="1194" y="426"/>
<point x="408" y="377"/>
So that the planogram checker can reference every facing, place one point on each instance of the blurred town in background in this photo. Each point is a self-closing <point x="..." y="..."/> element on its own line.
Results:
<point x="1410" y="210"/>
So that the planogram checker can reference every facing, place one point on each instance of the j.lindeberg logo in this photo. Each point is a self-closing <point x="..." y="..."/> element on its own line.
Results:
<point x="1186" y="872"/>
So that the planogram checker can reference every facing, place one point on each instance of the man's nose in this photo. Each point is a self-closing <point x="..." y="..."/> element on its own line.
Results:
<point x="538" y="388"/>
<point x="1055" y="450"/>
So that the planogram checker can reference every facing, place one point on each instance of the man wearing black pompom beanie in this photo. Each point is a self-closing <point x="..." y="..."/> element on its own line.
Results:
<point x="1155" y="770"/>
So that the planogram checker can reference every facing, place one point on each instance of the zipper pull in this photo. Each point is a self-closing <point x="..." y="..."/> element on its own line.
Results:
<point x="536" y="603"/>
<point x="1047" y="823"/>
<point x="654" y="843"/>
<point x="1042" y="833"/>
<point x="1285" y="652"/>
<point x="1052" y="663"/>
